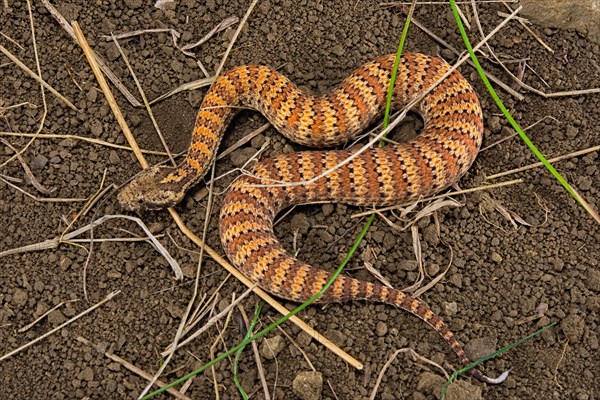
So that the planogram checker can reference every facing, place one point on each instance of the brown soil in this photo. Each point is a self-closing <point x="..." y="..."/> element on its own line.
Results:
<point x="499" y="274"/>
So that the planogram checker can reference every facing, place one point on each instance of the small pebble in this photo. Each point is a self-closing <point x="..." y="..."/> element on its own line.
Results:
<point x="480" y="347"/>
<point x="308" y="385"/>
<point x="39" y="162"/>
<point x="271" y="347"/>
<point x="381" y="328"/>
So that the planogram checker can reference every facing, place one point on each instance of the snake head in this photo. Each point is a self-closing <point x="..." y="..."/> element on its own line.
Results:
<point x="154" y="188"/>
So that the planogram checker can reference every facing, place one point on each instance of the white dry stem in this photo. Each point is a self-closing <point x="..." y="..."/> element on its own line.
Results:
<point x="54" y="243"/>
<point x="208" y="324"/>
<point x="439" y="196"/>
<point x="226" y="23"/>
<point x="205" y="230"/>
<point x="101" y="62"/>
<point x="393" y="357"/>
<point x="145" y="100"/>
<point x="58" y="328"/>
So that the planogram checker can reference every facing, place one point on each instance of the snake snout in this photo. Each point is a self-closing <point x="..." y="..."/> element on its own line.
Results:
<point x="147" y="192"/>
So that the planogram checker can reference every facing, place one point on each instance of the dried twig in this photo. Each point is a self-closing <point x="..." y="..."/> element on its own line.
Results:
<point x="13" y="41"/>
<point x="292" y="341"/>
<point x="439" y="196"/>
<point x="491" y="77"/>
<point x="54" y="243"/>
<point x="219" y="339"/>
<point x="259" y="366"/>
<point x="27" y="170"/>
<point x="82" y="138"/>
<point x="186" y="86"/>
<point x="145" y="100"/>
<point x="209" y="324"/>
<point x="226" y="23"/>
<point x="98" y="59"/>
<point x="35" y="76"/>
<point x="539" y="164"/>
<point x="515" y="134"/>
<point x="243" y="140"/>
<point x="126" y="35"/>
<point x="42" y="199"/>
<point x="58" y="328"/>
<point x="134" y="369"/>
<point x="235" y="36"/>
<point x="42" y="92"/>
<point x="393" y="357"/>
<point x="107" y="93"/>
<point x="417" y="293"/>
<point x="32" y="324"/>
<point x="528" y="29"/>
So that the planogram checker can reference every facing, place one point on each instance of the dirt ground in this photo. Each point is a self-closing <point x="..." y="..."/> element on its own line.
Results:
<point x="500" y="276"/>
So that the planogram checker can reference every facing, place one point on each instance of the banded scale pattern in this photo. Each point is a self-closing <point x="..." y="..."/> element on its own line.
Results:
<point x="434" y="160"/>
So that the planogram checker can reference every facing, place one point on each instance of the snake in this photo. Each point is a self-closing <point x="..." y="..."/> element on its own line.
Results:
<point x="380" y="176"/>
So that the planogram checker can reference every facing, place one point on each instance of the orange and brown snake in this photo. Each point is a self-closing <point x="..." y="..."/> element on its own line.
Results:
<point x="434" y="160"/>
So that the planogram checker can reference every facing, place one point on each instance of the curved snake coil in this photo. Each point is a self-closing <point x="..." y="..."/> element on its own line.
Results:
<point x="394" y="174"/>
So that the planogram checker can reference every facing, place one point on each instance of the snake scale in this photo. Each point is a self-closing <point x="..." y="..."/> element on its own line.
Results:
<point x="434" y="160"/>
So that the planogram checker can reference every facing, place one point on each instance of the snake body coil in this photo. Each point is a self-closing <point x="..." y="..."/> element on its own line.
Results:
<point x="394" y="174"/>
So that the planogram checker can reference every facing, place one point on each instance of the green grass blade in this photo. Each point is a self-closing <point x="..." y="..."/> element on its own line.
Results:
<point x="496" y="353"/>
<point x="390" y="92"/>
<point x="342" y="265"/>
<point x="270" y="327"/>
<point x="239" y="352"/>
<point x="512" y="121"/>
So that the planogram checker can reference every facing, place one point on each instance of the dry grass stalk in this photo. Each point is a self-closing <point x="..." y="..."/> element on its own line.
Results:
<point x="12" y="41"/>
<point x="82" y="138"/>
<point x="58" y="328"/>
<point x="453" y="49"/>
<point x="226" y="23"/>
<point x="243" y="140"/>
<point x="145" y="100"/>
<point x="99" y="60"/>
<point x="235" y="36"/>
<point x="42" y="92"/>
<point x="528" y="29"/>
<point x="257" y="359"/>
<point x="208" y="324"/>
<point x="126" y="35"/>
<point x="539" y="164"/>
<point x="41" y="199"/>
<point x="197" y="84"/>
<point x="439" y="196"/>
<point x="560" y="360"/>
<point x="41" y="317"/>
<point x="54" y="243"/>
<point x="134" y="369"/>
<point x="220" y="340"/>
<point x="368" y="256"/>
<point x="35" y="76"/>
<point x="292" y="341"/>
<point x="519" y="81"/>
<point x="411" y="352"/>
<point x="108" y="94"/>
<point x="512" y="135"/>
<point x="434" y="281"/>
